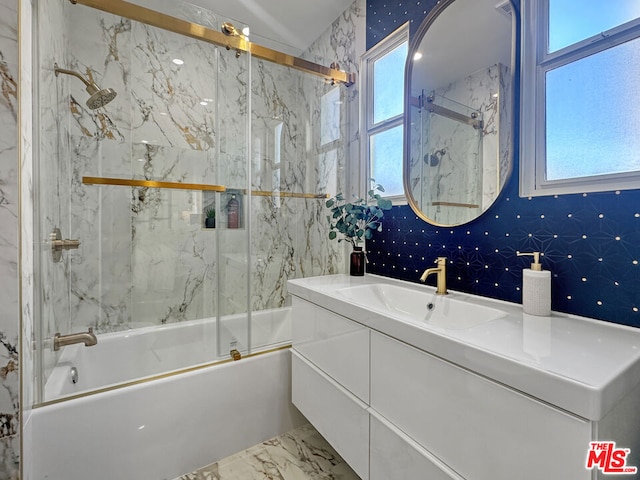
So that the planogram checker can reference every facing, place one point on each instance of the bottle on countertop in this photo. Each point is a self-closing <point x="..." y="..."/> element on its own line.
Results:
<point x="536" y="287"/>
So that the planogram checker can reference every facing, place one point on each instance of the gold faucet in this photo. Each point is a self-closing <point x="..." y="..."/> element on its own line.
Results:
<point x="441" y="270"/>
<point x="88" y="338"/>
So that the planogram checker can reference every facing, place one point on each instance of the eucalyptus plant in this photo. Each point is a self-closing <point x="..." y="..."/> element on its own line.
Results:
<point x="357" y="220"/>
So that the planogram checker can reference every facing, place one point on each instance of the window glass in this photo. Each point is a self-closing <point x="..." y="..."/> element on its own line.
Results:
<point x="593" y="114"/>
<point x="386" y="160"/>
<point x="388" y="84"/>
<point x="595" y="16"/>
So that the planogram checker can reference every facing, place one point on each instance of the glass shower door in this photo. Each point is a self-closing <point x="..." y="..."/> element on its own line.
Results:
<point x="145" y="274"/>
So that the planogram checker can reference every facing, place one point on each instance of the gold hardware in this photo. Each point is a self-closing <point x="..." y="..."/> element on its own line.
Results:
<point x="441" y="271"/>
<point x="260" y="193"/>
<point x="151" y="184"/>
<point x="199" y="32"/>
<point x="88" y="338"/>
<point x="235" y="354"/>
<point x="191" y="186"/>
<point x="455" y="204"/>
<point x="58" y="244"/>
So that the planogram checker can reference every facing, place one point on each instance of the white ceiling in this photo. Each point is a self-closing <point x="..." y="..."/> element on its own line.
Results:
<point x="289" y="26"/>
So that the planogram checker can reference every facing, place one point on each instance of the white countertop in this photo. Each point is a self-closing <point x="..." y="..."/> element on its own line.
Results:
<point x="582" y="365"/>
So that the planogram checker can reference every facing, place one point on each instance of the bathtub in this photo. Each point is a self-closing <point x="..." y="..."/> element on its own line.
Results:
<point x="144" y="352"/>
<point x="164" y="427"/>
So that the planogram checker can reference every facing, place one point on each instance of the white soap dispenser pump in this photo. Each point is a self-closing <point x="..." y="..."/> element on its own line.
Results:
<point x="536" y="287"/>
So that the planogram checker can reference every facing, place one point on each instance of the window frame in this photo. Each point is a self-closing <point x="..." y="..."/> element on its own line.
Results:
<point x="367" y="127"/>
<point x="536" y="62"/>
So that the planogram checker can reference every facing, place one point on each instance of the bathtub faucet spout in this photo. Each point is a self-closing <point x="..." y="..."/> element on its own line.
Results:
<point x="88" y="338"/>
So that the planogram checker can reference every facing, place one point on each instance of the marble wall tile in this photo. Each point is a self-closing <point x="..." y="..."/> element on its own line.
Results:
<point x="301" y="135"/>
<point x="9" y="227"/>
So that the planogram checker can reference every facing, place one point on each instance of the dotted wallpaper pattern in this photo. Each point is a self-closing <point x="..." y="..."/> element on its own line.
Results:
<point x="384" y="17"/>
<point x="591" y="242"/>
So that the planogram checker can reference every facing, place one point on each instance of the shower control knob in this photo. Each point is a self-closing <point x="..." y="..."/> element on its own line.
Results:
<point x="58" y="244"/>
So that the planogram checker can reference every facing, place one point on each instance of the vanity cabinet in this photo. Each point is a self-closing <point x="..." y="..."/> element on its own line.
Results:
<point x="395" y="456"/>
<point x="330" y="386"/>
<point x="479" y="428"/>
<point x="330" y="372"/>
<point x="340" y="417"/>
<point x="394" y="411"/>
<point x="336" y="345"/>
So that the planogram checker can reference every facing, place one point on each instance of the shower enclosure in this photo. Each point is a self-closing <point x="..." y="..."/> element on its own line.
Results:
<point x="171" y="215"/>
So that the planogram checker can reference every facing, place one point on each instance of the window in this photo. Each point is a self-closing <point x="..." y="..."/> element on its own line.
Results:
<point x="383" y="113"/>
<point x="580" y="96"/>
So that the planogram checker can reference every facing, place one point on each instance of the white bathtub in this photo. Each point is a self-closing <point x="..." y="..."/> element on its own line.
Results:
<point x="162" y="428"/>
<point x="135" y="354"/>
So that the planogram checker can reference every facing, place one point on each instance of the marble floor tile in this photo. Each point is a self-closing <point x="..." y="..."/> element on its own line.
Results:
<point x="301" y="454"/>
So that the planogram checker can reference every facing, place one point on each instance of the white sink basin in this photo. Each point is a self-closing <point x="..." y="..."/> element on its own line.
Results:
<point x="423" y="307"/>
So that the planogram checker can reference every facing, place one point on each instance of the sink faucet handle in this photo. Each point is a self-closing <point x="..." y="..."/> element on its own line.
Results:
<point x="441" y="260"/>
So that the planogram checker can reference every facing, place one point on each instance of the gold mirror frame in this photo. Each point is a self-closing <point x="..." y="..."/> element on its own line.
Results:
<point x="416" y="44"/>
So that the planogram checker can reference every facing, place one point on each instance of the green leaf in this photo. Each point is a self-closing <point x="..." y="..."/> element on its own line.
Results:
<point x="332" y="235"/>
<point x="385" y="204"/>
<point x="330" y="203"/>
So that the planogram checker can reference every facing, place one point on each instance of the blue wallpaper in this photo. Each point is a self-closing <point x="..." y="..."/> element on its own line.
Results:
<point x="383" y="17"/>
<point x="591" y="242"/>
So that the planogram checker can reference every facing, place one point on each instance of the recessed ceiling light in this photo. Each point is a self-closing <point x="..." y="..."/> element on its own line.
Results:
<point x="204" y="104"/>
<point x="417" y="56"/>
<point x="178" y="61"/>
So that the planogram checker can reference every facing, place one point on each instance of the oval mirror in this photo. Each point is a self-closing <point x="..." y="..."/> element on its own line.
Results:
<point x="459" y="121"/>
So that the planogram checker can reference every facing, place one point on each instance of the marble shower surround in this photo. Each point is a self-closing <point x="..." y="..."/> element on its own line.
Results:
<point x="9" y="226"/>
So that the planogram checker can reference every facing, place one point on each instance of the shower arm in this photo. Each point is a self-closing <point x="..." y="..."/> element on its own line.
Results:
<point x="59" y="70"/>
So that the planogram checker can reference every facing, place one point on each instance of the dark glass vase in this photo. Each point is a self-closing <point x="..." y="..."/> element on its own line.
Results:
<point x="357" y="262"/>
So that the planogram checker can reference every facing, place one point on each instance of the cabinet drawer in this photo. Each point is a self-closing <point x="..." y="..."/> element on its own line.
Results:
<point x="336" y="345"/>
<point x="340" y="417"/>
<point x="480" y="429"/>
<point x="394" y="456"/>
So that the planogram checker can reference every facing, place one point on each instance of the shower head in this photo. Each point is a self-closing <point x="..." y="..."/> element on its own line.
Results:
<point x="99" y="97"/>
<point x="433" y="160"/>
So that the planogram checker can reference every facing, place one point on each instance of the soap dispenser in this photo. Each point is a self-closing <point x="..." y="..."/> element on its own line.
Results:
<point x="536" y="287"/>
